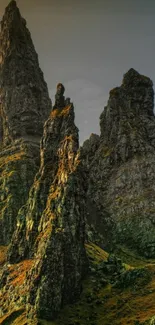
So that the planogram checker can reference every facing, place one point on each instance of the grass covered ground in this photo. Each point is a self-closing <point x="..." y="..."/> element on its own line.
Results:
<point x="108" y="298"/>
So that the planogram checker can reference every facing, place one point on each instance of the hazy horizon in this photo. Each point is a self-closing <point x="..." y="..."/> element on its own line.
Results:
<point x="88" y="46"/>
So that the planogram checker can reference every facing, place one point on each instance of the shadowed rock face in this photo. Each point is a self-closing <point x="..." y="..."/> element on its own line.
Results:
<point x="121" y="190"/>
<point x="24" y="106"/>
<point x="24" y="99"/>
<point x="51" y="226"/>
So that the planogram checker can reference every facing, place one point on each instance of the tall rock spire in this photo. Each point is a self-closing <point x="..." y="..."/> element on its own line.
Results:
<point x="121" y="180"/>
<point x="51" y="226"/>
<point x="24" y="107"/>
<point x="24" y="99"/>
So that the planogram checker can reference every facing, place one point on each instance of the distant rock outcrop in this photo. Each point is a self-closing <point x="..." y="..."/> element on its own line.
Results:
<point x="24" y="107"/>
<point x="121" y="191"/>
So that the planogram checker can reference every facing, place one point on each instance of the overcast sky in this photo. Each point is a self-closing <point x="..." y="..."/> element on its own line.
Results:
<point x="88" y="45"/>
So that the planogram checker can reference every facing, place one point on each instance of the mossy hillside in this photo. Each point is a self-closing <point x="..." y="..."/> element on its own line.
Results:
<point x="17" y="169"/>
<point x="130" y="257"/>
<point x="104" y="303"/>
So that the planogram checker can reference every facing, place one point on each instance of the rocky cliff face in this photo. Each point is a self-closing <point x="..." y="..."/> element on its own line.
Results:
<point x="24" y="106"/>
<point x="51" y="226"/>
<point x="121" y="182"/>
<point x="18" y="165"/>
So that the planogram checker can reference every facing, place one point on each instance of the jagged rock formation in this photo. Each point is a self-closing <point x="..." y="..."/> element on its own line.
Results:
<point x="24" y="98"/>
<point x="51" y="226"/>
<point x="121" y="181"/>
<point x="50" y="229"/>
<point x="110" y="180"/>
<point x="24" y="107"/>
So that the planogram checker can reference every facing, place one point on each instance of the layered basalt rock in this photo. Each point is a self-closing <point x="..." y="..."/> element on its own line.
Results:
<point x="24" y="106"/>
<point x="51" y="227"/>
<point x="121" y="189"/>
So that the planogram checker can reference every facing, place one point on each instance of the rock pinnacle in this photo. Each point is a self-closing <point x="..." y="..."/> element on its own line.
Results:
<point x="24" y="98"/>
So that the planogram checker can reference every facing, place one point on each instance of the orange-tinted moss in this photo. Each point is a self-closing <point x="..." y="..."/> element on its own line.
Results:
<point x="60" y="112"/>
<point x="18" y="272"/>
<point x="3" y="254"/>
<point x="14" y="157"/>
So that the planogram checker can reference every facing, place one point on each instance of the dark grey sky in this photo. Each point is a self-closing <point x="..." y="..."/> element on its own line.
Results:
<point x="88" y="45"/>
